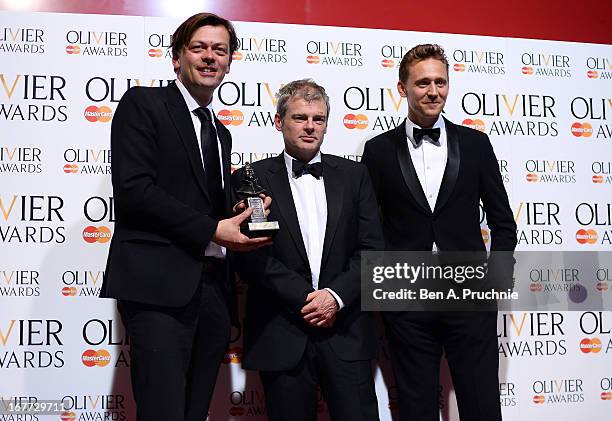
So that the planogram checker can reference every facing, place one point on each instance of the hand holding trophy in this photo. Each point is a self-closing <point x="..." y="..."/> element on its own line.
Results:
<point x="250" y="192"/>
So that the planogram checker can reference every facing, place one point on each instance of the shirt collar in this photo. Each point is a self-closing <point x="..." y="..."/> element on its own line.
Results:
<point x="439" y="124"/>
<point x="189" y="100"/>
<point x="289" y="159"/>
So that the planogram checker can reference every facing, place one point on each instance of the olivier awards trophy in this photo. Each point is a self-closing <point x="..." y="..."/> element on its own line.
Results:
<point x="249" y="191"/>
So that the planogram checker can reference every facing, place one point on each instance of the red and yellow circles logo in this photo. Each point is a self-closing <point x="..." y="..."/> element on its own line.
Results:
<point x="155" y="52"/>
<point x="73" y="49"/>
<point x="459" y="67"/>
<point x="602" y="286"/>
<point x="527" y="70"/>
<point x="69" y="291"/>
<point x="606" y="396"/>
<point x="93" y="234"/>
<point x="590" y="346"/>
<point x="535" y="287"/>
<point x="237" y="55"/>
<point x="91" y="358"/>
<point x="355" y="121"/>
<point x="236" y="411"/>
<point x="582" y="129"/>
<point x="71" y="168"/>
<point x="387" y="63"/>
<point x="531" y="177"/>
<point x="592" y="74"/>
<point x="586" y="236"/>
<point x="231" y="117"/>
<point x="485" y="235"/>
<point x="313" y="59"/>
<point x="102" y="114"/>
<point x="233" y="355"/>
<point x="597" y="179"/>
<point x="68" y="416"/>
<point x="476" y="124"/>
<point x="539" y="399"/>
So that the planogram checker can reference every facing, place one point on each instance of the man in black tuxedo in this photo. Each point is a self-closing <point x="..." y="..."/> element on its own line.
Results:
<point x="304" y="325"/>
<point x="168" y="261"/>
<point x="429" y="176"/>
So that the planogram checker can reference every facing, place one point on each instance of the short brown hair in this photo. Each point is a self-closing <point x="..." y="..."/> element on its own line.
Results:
<point x="184" y="32"/>
<point x="419" y="53"/>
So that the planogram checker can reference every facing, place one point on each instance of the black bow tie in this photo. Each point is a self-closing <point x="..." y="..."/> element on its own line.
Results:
<point x="432" y="134"/>
<point x="299" y="168"/>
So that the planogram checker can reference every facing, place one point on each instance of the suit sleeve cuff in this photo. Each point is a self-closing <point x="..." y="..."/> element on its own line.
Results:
<point x="337" y="297"/>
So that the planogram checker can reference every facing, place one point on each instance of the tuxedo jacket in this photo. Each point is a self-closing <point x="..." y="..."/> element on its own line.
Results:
<point x="471" y="175"/>
<point x="162" y="207"/>
<point x="279" y="276"/>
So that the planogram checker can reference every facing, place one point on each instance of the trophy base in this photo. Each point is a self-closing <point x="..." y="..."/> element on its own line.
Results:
<point x="261" y="229"/>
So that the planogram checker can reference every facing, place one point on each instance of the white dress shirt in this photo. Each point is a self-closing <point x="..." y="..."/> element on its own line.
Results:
<point x="429" y="161"/>
<point x="311" y="208"/>
<point x="212" y="249"/>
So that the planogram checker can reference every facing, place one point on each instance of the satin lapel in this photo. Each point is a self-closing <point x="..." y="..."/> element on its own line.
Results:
<point x="282" y="200"/>
<point x="406" y="166"/>
<point x="334" y="181"/>
<point x="180" y="116"/>
<point x="449" y="179"/>
<point x="226" y="150"/>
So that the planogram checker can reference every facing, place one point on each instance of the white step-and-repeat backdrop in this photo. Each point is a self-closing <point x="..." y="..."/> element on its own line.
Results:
<point x="546" y="105"/>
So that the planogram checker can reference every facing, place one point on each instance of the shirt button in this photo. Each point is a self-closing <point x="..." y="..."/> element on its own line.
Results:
<point x="428" y="167"/>
<point x="430" y="196"/>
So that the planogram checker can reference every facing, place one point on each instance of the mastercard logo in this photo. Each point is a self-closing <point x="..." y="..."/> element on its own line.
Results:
<point x="71" y="168"/>
<point x="527" y="70"/>
<point x="236" y="411"/>
<point x="590" y="346"/>
<point x="474" y="124"/>
<point x="237" y="55"/>
<point x="231" y="117"/>
<point x="233" y="355"/>
<point x="601" y="286"/>
<point x="592" y="74"/>
<point x="459" y="67"/>
<point x="582" y="129"/>
<point x="606" y="396"/>
<point x="485" y="235"/>
<point x="73" y="49"/>
<point x="597" y="179"/>
<point x="313" y="59"/>
<point x="387" y="63"/>
<point x="586" y="236"/>
<point x="538" y="399"/>
<point x="69" y="291"/>
<point x="355" y="121"/>
<point x="93" y="234"/>
<point x="532" y="177"/>
<point x="155" y="52"/>
<point x="68" y="416"/>
<point x="535" y="287"/>
<point x="91" y="358"/>
<point x="102" y="114"/>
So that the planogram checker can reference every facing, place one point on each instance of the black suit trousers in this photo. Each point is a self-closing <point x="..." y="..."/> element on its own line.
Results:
<point x="469" y="341"/>
<point x="176" y="352"/>
<point x="347" y="386"/>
